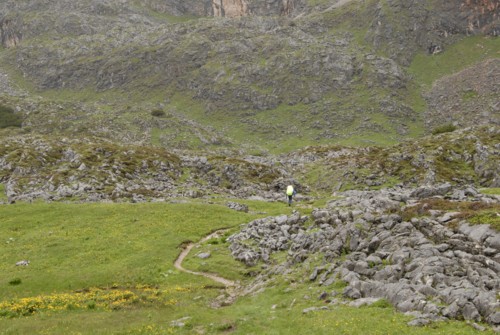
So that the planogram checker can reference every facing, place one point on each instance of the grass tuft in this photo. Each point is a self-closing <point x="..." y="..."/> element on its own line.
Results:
<point x="8" y="118"/>
<point x="446" y="128"/>
<point x="15" y="281"/>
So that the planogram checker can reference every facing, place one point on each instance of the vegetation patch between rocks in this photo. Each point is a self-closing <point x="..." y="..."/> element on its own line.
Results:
<point x="9" y="118"/>
<point x="474" y="212"/>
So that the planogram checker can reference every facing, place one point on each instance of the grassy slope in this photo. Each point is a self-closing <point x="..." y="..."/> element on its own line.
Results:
<point x="471" y="50"/>
<point x="126" y="246"/>
<point x="73" y="246"/>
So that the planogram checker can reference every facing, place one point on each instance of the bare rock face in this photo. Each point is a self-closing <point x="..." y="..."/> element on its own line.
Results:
<point x="227" y="8"/>
<point x="230" y="8"/>
<point x="10" y="32"/>
<point x="482" y="16"/>
<point x="288" y="6"/>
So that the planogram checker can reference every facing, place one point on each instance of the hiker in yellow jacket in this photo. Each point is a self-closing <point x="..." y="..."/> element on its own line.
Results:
<point x="290" y="192"/>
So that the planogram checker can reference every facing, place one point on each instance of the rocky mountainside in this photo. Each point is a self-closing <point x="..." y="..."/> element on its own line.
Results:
<point x="239" y="80"/>
<point x="283" y="74"/>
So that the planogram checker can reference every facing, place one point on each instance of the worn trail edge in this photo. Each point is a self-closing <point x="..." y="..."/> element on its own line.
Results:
<point x="185" y="252"/>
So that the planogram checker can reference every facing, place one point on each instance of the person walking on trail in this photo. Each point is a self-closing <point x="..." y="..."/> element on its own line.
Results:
<point x="290" y="192"/>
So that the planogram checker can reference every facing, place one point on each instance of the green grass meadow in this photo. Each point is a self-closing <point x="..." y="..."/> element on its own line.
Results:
<point x="108" y="269"/>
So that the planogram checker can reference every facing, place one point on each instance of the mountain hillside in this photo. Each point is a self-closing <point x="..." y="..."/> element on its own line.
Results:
<point x="251" y="75"/>
<point x="131" y="129"/>
<point x="205" y="84"/>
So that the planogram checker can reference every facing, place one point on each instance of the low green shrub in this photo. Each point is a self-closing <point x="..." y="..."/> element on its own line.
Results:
<point x="490" y="217"/>
<point x="3" y="196"/>
<point x="382" y="303"/>
<point x="158" y="113"/>
<point x="15" y="281"/>
<point x="446" y="128"/>
<point x="8" y="118"/>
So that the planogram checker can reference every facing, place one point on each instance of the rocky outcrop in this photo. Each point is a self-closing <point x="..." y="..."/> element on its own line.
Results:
<point x="424" y="264"/>
<point x="288" y="8"/>
<point x="8" y="87"/>
<point x="482" y="16"/>
<point x="96" y="170"/>
<point x="10" y="31"/>
<point x="230" y="8"/>
<point x="237" y="206"/>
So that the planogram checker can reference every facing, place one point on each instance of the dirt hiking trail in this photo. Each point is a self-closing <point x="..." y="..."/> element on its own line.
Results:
<point x="187" y="249"/>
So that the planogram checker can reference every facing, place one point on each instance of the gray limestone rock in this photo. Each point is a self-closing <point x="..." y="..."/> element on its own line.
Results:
<point x="415" y="265"/>
<point x="204" y="255"/>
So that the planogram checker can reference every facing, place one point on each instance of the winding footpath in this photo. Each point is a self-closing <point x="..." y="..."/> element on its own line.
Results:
<point x="178" y="262"/>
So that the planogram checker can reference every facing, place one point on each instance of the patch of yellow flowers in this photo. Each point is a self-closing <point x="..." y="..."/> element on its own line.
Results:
<point x="93" y="298"/>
